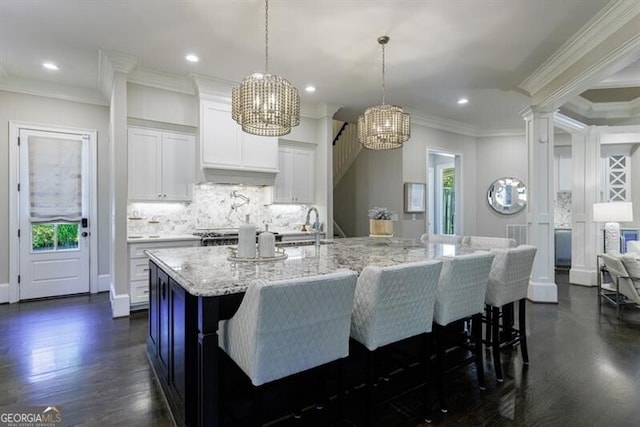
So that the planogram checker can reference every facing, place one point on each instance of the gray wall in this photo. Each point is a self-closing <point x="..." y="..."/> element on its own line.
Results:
<point x="414" y="155"/>
<point x="377" y="179"/>
<point x="374" y="179"/>
<point x="498" y="157"/>
<point x="48" y="111"/>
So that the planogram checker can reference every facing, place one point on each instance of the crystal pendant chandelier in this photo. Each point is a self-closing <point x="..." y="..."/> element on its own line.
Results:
<point x="265" y="104"/>
<point x="384" y="127"/>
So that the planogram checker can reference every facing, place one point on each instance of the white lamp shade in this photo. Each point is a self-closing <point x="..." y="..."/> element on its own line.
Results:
<point x="613" y="212"/>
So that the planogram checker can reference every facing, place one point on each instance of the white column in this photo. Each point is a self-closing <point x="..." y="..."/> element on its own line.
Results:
<point x="584" y="193"/>
<point x="540" y="218"/>
<point x="119" y="259"/>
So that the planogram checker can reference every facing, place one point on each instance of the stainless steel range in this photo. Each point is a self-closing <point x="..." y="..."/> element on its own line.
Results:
<point x="224" y="236"/>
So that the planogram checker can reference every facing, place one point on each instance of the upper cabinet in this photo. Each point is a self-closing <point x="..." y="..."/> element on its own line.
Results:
<point x="228" y="154"/>
<point x="296" y="181"/>
<point x="161" y="165"/>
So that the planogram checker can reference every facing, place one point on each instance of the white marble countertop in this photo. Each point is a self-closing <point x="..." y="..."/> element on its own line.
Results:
<point x="161" y="238"/>
<point x="206" y="271"/>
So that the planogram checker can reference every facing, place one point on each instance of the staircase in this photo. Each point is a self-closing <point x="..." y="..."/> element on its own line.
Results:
<point x="345" y="148"/>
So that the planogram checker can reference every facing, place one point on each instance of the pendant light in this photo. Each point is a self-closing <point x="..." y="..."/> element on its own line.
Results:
<point x="265" y="104"/>
<point x="384" y="127"/>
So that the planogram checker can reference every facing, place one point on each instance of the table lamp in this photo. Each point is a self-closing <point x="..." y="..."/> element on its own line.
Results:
<point x="611" y="213"/>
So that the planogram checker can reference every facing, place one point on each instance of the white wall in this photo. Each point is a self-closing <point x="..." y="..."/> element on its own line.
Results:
<point x="498" y="157"/>
<point x="49" y="111"/>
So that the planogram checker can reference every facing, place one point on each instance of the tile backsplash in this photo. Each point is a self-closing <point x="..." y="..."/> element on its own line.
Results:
<point x="214" y="206"/>
<point x="562" y="210"/>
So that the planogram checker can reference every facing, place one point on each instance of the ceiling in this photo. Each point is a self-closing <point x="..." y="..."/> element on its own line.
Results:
<point x="439" y="50"/>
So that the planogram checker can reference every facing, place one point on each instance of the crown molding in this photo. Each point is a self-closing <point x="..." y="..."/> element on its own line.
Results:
<point x="568" y="124"/>
<point x="111" y="62"/>
<point x="448" y="125"/>
<point x="487" y="133"/>
<point x="212" y="88"/>
<point x="609" y="20"/>
<point x="461" y="128"/>
<point x="170" y="82"/>
<point x="604" y="110"/>
<point x="51" y="90"/>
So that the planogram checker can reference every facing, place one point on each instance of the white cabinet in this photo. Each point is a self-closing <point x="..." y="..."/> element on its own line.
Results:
<point x="296" y="181"/>
<point x="139" y="266"/>
<point x="161" y="165"/>
<point x="223" y="144"/>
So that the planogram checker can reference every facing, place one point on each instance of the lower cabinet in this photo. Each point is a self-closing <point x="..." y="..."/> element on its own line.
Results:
<point x="139" y="268"/>
<point x="170" y="329"/>
<point x="174" y="343"/>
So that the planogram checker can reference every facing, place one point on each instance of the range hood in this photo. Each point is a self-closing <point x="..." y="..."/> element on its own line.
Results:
<point x="238" y="175"/>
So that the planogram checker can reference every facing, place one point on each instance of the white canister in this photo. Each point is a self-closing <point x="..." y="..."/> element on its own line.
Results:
<point x="247" y="240"/>
<point x="266" y="244"/>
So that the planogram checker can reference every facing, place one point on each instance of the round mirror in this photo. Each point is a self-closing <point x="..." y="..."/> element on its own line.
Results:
<point x="507" y="196"/>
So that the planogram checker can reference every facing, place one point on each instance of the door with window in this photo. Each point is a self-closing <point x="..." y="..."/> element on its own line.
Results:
<point x="53" y="213"/>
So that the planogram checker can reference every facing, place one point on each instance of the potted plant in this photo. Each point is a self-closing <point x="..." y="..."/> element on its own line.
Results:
<point x="380" y="223"/>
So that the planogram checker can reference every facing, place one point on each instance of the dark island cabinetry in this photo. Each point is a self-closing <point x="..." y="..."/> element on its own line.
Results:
<point x="170" y="329"/>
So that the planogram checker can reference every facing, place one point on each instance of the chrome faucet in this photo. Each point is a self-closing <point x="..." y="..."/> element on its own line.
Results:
<point x="316" y="225"/>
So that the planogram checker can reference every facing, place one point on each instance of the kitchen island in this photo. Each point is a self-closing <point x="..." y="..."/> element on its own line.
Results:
<point x="191" y="289"/>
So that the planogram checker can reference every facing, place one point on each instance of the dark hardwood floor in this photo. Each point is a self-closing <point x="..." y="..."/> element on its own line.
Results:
<point x="584" y="371"/>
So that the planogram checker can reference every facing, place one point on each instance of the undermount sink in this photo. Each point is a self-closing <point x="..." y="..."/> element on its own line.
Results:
<point x="304" y="243"/>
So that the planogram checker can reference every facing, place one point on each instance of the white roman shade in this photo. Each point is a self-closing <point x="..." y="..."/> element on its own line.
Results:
<point x="55" y="179"/>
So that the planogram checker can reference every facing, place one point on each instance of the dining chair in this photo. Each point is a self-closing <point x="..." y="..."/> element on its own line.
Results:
<point x="392" y="304"/>
<point x="488" y="242"/>
<point x="460" y="296"/>
<point x="508" y="283"/>
<point x="624" y="271"/>
<point x="441" y="238"/>
<point x="290" y="326"/>
<point x="633" y="247"/>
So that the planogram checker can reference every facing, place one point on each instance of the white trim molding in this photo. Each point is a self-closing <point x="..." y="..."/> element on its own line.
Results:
<point x="165" y="81"/>
<point x="4" y="293"/>
<point x="609" y="20"/>
<point x="104" y="283"/>
<point x="583" y="277"/>
<point x="119" y="303"/>
<point x="14" y="214"/>
<point x="109" y="63"/>
<point x="51" y="90"/>
<point x="543" y="292"/>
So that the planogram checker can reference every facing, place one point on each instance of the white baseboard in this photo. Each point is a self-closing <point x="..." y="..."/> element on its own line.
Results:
<point x="104" y="283"/>
<point x="119" y="303"/>
<point x="4" y="292"/>
<point x="543" y="292"/>
<point x="583" y="277"/>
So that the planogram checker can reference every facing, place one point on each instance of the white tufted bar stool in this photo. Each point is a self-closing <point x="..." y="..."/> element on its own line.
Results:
<point x="392" y="304"/>
<point x="508" y="283"/>
<point x="289" y="326"/>
<point x="461" y="291"/>
<point x="483" y="242"/>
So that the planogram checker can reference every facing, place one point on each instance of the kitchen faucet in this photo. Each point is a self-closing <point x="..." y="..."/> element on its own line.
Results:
<point x="315" y="225"/>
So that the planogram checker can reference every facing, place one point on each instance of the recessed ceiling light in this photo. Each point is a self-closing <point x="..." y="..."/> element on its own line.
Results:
<point x="310" y="88"/>
<point x="192" y="58"/>
<point x="50" y="66"/>
<point x="463" y="101"/>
